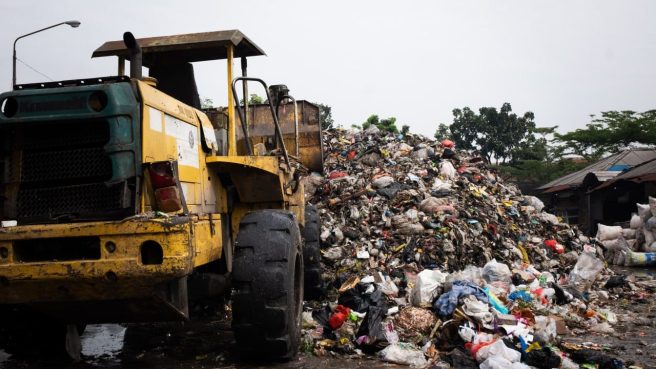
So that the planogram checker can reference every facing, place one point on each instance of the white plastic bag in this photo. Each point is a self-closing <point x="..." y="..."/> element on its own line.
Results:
<point x="611" y="244"/>
<point x="382" y="182"/>
<point x="585" y="271"/>
<point x="447" y="169"/>
<point x="546" y="327"/>
<point x="498" y="349"/>
<point x="404" y="353"/>
<point x="494" y="271"/>
<point x="636" y="222"/>
<point x="643" y="211"/>
<point x="426" y="287"/>
<point x="652" y="206"/>
<point x="535" y="202"/>
<point x="628" y="233"/>
<point x="605" y="232"/>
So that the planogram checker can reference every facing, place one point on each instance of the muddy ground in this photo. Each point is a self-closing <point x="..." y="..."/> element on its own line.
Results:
<point x="209" y="343"/>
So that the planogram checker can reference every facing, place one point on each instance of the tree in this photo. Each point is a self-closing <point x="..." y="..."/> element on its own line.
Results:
<point x="387" y="124"/>
<point x="442" y="132"/>
<point x="614" y="131"/>
<point x="325" y="116"/>
<point x="495" y="133"/>
<point x="254" y="100"/>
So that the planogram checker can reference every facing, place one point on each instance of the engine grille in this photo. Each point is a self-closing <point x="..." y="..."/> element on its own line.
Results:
<point x="63" y="172"/>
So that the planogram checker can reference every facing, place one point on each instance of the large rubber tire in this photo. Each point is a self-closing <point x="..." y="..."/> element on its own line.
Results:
<point x="312" y="253"/>
<point x="268" y="285"/>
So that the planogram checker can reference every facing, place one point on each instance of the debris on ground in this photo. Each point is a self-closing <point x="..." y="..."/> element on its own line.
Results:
<point x="431" y="259"/>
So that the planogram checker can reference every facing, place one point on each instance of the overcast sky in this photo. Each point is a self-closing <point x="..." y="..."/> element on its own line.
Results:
<point x="415" y="60"/>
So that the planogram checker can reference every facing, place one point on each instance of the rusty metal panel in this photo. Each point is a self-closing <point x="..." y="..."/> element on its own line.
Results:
<point x="191" y="47"/>
<point x="261" y="130"/>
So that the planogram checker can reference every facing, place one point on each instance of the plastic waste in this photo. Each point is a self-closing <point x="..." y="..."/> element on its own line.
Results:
<point x="652" y="206"/>
<point x="404" y="353"/>
<point x="636" y="222"/>
<point x="643" y="211"/>
<point x="382" y="182"/>
<point x="596" y="357"/>
<point x="447" y="169"/>
<point x="426" y="287"/>
<point x="546" y="327"/>
<point x="498" y="349"/>
<point x="639" y="258"/>
<point x="448" y="301"/>
<point x="339" y="317"/>
<point x="495" y="302"/>
<point x="542" y="358"/>
<point x="585" y="271"/>
<point x="494" y="271"/>
<point x="371" y="330"/>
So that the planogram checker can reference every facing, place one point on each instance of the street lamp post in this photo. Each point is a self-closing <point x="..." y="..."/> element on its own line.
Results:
<point x="72" y="23"/>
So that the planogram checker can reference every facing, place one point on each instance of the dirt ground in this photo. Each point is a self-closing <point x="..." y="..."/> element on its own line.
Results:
<point x="209" y="343"/>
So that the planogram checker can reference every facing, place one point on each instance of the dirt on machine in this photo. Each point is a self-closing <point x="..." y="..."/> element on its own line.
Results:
<point x="122" y="200"/>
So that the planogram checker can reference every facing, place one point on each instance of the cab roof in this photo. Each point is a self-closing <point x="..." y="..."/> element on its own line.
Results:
<point x="191" y="47"/>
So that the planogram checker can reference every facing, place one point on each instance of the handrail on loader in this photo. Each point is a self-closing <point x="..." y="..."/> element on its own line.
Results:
<point x="242" y="117"/>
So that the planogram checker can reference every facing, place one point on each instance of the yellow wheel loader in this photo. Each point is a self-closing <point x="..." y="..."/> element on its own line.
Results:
<point x="121" y="200"/>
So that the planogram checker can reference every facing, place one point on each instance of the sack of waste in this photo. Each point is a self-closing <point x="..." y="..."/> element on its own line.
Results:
<point x="404" y="353"/>
<point x="605" y="233"/>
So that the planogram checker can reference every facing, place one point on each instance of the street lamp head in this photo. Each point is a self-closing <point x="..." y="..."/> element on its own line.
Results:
<point x="73" y="23"/>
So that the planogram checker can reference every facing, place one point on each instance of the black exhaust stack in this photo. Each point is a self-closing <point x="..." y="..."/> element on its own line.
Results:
<point x="136" y="56"/>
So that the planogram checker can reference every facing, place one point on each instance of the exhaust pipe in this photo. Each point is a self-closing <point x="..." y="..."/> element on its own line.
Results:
<point x="135" y="51"/>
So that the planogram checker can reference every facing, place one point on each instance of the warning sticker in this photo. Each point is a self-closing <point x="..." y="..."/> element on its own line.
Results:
<point x="186" y="139"/>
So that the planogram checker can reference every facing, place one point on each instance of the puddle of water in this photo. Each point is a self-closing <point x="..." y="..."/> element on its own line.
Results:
<point x="104" y="341"/>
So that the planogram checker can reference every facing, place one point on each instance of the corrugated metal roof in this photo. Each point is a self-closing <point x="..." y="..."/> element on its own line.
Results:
<point x="644" y="172"/>
<point x="632" y="158"/>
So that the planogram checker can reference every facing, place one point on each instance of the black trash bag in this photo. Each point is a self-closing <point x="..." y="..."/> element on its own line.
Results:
<point x="372" y="328"/>
<point x="542" y="358"/>
<point x="391" y="190"/>
<point x="460" y="359"/>
<point x="595" y="357"/>
<point x="322" y="316"/>
<point x="356" y="298"/>
<point x="616" y="281"/>
<point x="561" y="298"/>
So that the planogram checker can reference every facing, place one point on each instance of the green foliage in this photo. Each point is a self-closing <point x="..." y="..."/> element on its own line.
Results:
<point x="254" y="100"/>
<point x="325" y="116"/>
<point x="442" y="132"/>
<point x="355" y="126"/>
<point x="612" y="132"/>
<point x="388" y="124"/>
<point x="495" y="133"/>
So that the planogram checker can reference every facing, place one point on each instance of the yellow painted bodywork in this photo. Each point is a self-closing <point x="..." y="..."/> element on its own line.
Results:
<point x="186" y="244"/>
<point x="171" y="131"/>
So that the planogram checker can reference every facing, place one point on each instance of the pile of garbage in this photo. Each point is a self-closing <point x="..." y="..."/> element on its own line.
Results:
<point x="430" y="258"/>
<point x="635" y="245"/>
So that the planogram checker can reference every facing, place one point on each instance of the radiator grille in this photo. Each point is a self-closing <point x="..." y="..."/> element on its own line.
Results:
<point x="63" y="170"/>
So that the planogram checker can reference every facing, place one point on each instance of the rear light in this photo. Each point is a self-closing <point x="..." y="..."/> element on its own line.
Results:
<point x="165" y="186"/>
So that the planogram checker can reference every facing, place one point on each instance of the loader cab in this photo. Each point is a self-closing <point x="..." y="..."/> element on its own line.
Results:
<point x="239" y="130"/>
